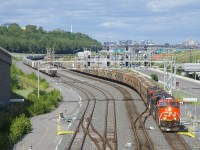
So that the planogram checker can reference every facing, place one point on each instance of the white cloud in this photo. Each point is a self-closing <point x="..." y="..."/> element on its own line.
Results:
<point x="112" y="24"/>
<point x="166" y="5"/>
<point x="116" y="18"/>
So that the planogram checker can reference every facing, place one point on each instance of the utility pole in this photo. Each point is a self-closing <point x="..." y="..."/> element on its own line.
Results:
<point x="190" y="55"/>
<point x="38" y="79"/>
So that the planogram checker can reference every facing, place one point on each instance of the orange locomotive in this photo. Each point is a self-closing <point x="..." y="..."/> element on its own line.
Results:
<point x="164" y="108"/>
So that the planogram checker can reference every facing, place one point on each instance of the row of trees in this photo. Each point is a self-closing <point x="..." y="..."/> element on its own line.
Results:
<point x="33" y="39"/>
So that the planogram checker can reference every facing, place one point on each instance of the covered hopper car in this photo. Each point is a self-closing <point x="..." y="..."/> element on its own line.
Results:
<point x="164" y="107"/>
<point x="34" y="64"/>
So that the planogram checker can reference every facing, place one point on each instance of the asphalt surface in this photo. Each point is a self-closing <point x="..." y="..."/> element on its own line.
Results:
<point x="44" y="127"/>
<point x="190" y="87"/>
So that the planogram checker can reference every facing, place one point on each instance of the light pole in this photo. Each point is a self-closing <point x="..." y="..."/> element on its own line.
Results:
<point x="190" y="55"/>
<point x="75" y="59"/>
<point x="38" y="79"/>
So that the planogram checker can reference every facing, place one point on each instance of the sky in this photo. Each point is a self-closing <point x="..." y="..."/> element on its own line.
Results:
<point x="160" y="21"/>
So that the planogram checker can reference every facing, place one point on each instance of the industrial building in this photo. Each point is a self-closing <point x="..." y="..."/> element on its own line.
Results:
<point x="5" y="77"/>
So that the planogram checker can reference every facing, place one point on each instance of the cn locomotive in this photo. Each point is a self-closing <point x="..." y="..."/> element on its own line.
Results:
<point x="164" y="107"/>
<point x="32" y="62"/>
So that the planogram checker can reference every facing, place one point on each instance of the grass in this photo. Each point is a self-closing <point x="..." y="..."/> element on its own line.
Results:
<point x="31" y="83"/>
<point x="25" y="92"/>
<point x="184" y="56"/>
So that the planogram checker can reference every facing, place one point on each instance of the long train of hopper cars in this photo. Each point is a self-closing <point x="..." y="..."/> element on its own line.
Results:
<point x="31" y="62"/>
<point x="164" y="107"/>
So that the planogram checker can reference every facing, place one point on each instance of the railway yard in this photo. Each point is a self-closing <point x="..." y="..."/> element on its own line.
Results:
<point x="100" y="115"/>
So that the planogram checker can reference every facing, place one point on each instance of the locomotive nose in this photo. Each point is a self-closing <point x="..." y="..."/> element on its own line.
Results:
<point x="170" y="114"/>
<point x="169" y="109"/>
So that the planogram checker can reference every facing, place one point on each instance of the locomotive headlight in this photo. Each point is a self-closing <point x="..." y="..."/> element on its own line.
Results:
<point x="169" y="109"/>
<point x="164" y="118"/>
<point x="174" y="118"/>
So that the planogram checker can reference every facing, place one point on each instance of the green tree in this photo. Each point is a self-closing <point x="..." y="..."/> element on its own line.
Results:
<point x="14" y="30"/>
<point x="31" y="28"/>
<point x="20" y="126"/>
<point x="35" y="39"/>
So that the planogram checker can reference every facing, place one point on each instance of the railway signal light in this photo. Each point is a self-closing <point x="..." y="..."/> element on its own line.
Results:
<point x="145" y="47"/>
<point x="108" y="56"/>
<point x="108" y="48"/>
<point x="108" y="64"/>
<point x="88" y="56"/>
<point x="126" y="48"/>
<point x="127" y="64"/>
<point x="88" y="63"/>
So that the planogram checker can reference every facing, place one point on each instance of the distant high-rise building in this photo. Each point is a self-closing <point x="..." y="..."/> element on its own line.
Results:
<point x="122" y="42"/>
<point x="190" y="42"/>
<point x="129" y="42"/>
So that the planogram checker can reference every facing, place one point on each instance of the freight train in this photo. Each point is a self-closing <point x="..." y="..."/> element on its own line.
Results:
<point x="33" y="62"/>
<point x="164" y="107"/>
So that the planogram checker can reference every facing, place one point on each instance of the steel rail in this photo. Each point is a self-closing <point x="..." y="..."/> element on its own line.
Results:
<point x="105" y="140"/>
<point x="130" y="108"/>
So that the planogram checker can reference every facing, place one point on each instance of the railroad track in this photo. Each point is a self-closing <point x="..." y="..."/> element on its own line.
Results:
<point x="78" y="139"/>
<point x="142" y="140"/>
<point x="176" y="141"/>
<point x="109" y="138"/>
<point x="137" y="120"/>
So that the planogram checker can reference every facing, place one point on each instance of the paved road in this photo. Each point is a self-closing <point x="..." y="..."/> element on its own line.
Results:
<point x="189" y="86"/>
<point x="44" y="127"/>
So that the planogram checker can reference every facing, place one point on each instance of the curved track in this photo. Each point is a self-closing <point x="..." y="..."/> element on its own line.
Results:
<point x="142" y="139"/>
<point x="109" y="137"/>
<point x="138" y="126"/>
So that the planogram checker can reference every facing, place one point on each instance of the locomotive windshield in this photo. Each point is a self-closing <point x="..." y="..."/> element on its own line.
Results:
<point x="175" y="104"/>
<point x="162" y="104"/>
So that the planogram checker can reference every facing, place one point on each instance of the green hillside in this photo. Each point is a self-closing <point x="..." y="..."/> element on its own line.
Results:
<point x="33" y="39"/>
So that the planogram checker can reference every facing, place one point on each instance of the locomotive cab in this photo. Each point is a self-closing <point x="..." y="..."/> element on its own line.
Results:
<point x="168" y="113"/>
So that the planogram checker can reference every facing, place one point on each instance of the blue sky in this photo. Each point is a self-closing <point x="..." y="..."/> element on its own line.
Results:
<point x="161" y="21"/>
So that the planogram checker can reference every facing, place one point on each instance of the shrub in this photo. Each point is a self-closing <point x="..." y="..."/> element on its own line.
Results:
<point x="4" y="141"/>
<point x="47" y="102"/>
<point x="20" y="126"/>
<point x="154" y="77"/>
